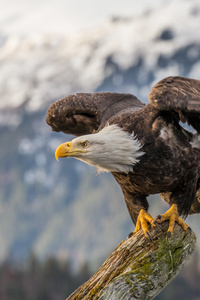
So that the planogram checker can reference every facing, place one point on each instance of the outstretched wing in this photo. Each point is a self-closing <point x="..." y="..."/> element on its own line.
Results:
<point x="84" y="113"/>
<point x="181" y="95"/>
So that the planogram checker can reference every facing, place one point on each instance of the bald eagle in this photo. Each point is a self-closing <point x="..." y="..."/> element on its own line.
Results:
<point x="145" y="147"/>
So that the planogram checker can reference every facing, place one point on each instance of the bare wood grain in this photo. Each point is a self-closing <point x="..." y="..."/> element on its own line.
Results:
<point x="139" y="268"/>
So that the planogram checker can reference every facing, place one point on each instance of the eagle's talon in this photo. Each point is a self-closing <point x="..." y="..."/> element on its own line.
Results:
<point x="159" y="219"/>
<point x="142" y="223"/>
<point x="173" y="216"/>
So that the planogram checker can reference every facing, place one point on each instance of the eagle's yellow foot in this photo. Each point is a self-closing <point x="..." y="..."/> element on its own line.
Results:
<point x="173" y="216"/>
<point x="142" y="222"/>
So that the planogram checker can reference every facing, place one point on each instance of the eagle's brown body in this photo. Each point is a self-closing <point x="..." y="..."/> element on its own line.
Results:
<point x="171" y="161"/>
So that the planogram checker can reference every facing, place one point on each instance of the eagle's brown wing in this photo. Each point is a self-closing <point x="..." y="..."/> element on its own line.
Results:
<point x="84" y="113"/>
<point x="181" y="95"/>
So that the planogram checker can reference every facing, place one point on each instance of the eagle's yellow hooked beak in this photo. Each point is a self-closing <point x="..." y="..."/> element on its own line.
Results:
<point x="67" y="149"/>
<point x="63" y="150"/>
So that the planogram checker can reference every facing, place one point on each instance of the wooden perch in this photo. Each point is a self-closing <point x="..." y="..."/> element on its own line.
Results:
<point x="139" y="268"/>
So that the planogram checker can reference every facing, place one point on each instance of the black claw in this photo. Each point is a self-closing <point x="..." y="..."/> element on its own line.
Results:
<point x="157" y="225"/>
<point x="189" y="229"/>
<point x="130" y="234"/>
<point x="148" y="235"/>
<point x="158" y="217"/>
<point x="168" y="234"/>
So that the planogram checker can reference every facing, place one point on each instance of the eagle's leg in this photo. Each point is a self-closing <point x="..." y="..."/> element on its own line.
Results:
<point x="173" y="216"/>
<point x="142" y="222"/>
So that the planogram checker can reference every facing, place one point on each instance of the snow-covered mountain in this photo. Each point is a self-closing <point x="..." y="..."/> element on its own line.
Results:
<point x="49" y="207"/>
<point x="38" y="69"/>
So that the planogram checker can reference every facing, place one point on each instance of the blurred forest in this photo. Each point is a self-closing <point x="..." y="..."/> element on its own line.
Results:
<point x="48" y="280"/>
<point x="54" y="279"/>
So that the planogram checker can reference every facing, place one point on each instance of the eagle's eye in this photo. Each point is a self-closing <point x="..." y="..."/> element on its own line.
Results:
<point x="84" y="144"/>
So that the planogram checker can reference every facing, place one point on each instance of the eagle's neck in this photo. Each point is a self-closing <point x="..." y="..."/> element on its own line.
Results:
<point x="114" y="150"/>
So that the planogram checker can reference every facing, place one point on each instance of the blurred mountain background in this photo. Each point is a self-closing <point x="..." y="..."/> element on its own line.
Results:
<point x="49" y="49"/>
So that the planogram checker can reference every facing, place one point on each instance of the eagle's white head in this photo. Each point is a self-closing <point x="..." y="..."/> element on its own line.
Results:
<point x="110" y="150"/>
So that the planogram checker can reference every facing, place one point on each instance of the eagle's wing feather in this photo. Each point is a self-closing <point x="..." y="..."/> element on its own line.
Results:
<point x="178" y="94"/>
<point x="84" y="113"/>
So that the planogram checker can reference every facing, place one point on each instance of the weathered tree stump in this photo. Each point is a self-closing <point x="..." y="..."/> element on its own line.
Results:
<point x="139" y="268"/>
